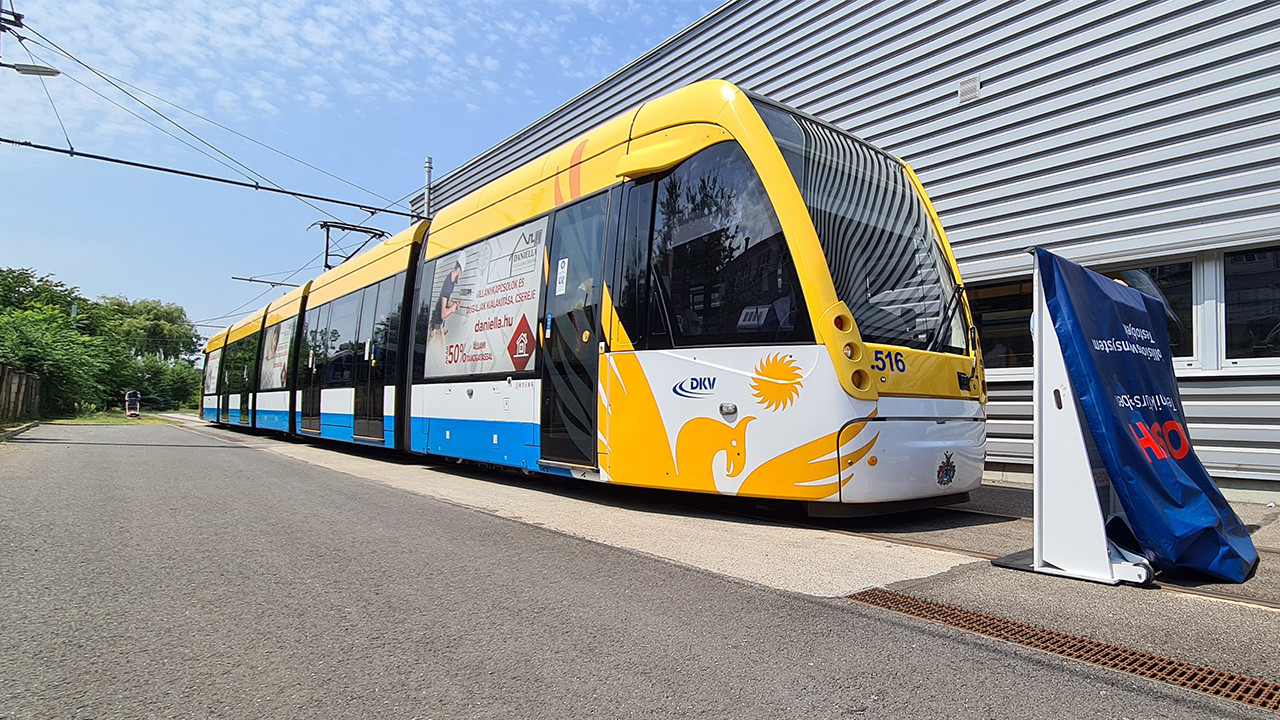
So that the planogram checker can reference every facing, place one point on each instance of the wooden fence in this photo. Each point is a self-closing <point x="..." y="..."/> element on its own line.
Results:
<point x="19" y="393"/>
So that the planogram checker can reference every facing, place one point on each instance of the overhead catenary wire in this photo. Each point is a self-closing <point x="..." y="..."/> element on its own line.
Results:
<point x="47" y="94"/>
<point x="220" y="126"/>
<point x="372" y="212"/>
<point x="259" y="143"/>
<point x="306" y="266"/>
<point x="202" y="176"/>
<point x="148" y="121"/>
<point x="71" y="152"/>
<point x="253" y="184"/>
<point x="53" y="45"/>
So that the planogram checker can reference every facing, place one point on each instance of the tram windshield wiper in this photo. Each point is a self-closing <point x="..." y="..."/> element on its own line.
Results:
<point x="953" y="304"/>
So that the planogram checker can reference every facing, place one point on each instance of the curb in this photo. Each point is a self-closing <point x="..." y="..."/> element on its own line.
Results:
<point x="5" y="435"/>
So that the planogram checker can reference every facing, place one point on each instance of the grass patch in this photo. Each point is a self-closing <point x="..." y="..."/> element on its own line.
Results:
<point x="111" y="417"/>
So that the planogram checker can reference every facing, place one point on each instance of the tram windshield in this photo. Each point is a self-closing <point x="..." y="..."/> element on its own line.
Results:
<point x="886" y="260"/>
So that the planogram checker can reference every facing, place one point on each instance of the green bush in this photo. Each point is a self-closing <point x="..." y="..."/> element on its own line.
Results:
<point x="43" y="340"/>
<point x="88" y="354"/>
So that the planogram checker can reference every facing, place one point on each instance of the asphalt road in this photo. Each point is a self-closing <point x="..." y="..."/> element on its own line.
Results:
<point x="153" y="572"/>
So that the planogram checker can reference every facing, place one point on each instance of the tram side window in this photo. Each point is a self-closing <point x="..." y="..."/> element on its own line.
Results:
<point x="344" y="348"/>
<point x="211" y="366"/>
<point x="315" y="346"/>
<point x="386" y="330"/>
<point x="238" y="365"/>
<point x="630" y="287"/>
<point x="422" y="319"/>
<point x="722" y="271"/>
<point x="365" y="347"/>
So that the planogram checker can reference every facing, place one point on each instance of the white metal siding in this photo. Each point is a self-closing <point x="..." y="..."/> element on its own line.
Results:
<point x="1103" y="130"/>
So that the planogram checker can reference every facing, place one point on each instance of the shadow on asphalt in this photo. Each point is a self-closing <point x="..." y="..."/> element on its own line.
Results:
<point x="752" y="511"/>
<point x="24" y="440"/>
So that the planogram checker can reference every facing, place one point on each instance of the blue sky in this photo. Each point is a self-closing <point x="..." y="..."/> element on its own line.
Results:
<point x="364" y="90"/>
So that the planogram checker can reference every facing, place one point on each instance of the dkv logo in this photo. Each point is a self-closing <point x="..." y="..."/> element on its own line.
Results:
<point x="695" y="387"/>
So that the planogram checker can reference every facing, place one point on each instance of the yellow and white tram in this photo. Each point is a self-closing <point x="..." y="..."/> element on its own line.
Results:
<point x="709" y="293"/>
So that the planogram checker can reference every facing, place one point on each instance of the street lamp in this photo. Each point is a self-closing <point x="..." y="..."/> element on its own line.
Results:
<point x="38" y="70"/>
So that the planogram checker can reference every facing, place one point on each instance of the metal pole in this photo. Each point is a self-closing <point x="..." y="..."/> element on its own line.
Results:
<point x="426" y="191"/>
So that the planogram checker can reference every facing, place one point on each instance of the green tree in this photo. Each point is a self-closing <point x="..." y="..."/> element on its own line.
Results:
<point x="165" y="384"/>
<point x="87" y="353"/>
<point x="44" y="340"/>
<point x="152" y="327"/>
<point x="21" y="288"/>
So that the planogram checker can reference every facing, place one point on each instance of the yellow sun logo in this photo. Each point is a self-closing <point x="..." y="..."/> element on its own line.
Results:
<point x="777" y="382"/>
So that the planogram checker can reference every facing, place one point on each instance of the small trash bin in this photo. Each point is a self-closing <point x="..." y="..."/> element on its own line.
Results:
<point x="133" y="404"/>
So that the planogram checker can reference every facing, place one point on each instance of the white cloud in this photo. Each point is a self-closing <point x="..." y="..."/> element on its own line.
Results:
<point x="245" y="59"/>
<point x="315" y="99"/>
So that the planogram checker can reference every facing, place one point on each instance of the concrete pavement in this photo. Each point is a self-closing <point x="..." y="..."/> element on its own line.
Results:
<point x="159" y="572"/>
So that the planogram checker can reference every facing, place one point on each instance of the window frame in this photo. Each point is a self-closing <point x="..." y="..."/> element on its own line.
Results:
<point x="1208" y="358"/>
<point x="1229" y="366"/>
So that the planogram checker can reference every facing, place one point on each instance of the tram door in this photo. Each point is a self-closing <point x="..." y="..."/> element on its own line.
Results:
<point x="311" y="361"/>
<point x="224" y="401"/>
<point x="246" y="398"/>
<point x="371" y="368"/>
<point x="571" y="333"/>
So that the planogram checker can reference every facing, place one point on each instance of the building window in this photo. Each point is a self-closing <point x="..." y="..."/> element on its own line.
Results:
<point x="1002" y="314"/>
<point x="1251" y="303"/>
<point x="1171" y="285"/>
<point x="1222" y="309"/>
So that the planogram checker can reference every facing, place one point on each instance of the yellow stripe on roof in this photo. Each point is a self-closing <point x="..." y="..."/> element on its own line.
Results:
<point x="287" y="305"/>
<point x="246" y="327"/>
<point x="216" y="342"/>
<point x="587" y="164"/>
<point x="377" y="263"/>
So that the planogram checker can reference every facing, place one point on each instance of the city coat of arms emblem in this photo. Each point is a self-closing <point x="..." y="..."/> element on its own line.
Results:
<point x="947" y="470"/>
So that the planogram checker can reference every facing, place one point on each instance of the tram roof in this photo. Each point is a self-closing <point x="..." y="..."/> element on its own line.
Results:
<point x="287" y="305"/>
<point x="377" y="263"/>
<point x="216" y="342"/>
<point x="709" y="102"/>
<point x="246" y="327"/>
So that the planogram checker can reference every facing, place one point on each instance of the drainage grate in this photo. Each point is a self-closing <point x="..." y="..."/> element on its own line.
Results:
<point x="1230" y="686"/>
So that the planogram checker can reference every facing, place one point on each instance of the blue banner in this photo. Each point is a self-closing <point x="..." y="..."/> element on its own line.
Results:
<point x="1116" y="346"/>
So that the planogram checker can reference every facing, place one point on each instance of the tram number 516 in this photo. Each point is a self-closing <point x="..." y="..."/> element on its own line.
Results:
<point x="888" y="361"/>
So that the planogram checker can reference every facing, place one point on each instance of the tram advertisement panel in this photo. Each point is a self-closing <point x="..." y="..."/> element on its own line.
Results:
<point x="211" y="371"/>
<point x="484" y="305"/>
<point x="1116" y="347"/>
<point x="275" y="355"/>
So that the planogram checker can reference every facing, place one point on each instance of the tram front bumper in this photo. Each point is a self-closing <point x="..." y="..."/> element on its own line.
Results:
<point x="917" y="457"/>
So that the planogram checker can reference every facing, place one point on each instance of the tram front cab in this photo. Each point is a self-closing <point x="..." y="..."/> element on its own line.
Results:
<point x="802" y="332"/>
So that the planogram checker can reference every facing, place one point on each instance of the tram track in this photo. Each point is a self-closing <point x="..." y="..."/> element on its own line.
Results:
<point x="979" y="554"/>
<point x="1232" y="686"/>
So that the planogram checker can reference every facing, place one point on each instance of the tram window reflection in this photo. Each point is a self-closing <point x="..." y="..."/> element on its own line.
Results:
<point x="723" y="273"/>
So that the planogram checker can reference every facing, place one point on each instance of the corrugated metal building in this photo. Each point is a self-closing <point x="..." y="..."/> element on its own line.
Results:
<point x="1136" y="137"/>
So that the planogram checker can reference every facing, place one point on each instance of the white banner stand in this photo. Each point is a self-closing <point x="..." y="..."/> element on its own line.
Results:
<point x="1073" y="500"/>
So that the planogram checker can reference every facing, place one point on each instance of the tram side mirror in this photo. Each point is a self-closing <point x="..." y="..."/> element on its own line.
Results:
<point x="974" y="349"/>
